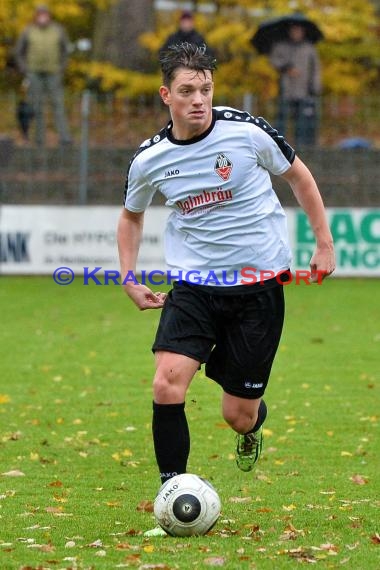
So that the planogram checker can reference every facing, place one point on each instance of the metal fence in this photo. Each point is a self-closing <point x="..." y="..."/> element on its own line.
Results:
<point x="106" y="132"/>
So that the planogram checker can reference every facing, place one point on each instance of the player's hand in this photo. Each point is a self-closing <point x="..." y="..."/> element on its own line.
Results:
<point x="144" y="298"/>
<point x="322" y="263"/>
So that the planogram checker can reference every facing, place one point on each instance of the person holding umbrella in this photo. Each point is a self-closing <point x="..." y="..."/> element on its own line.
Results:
<point x="289" y="42"/>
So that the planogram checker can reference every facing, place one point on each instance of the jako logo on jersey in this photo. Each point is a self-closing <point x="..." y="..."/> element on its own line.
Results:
<point x="252" y="385"/>
<point x="223" y="166"/>
<point x="170" y="173"/>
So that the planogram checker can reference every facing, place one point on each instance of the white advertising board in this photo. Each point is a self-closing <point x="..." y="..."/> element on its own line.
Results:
<point x="39" y="239"/>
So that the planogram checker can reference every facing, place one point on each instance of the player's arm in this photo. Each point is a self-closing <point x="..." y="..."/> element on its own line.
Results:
<point x="129" y="234"/>
<point x="307" y="194"/>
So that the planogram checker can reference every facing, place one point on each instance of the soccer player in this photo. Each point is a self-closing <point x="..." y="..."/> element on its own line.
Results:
<point x="212" y="165"/>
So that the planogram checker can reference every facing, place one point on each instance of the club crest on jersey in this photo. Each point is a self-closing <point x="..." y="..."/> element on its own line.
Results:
<point x="223" y="166"/>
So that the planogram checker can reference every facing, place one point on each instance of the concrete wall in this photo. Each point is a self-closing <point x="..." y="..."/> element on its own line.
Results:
<point x="37" y="176"/>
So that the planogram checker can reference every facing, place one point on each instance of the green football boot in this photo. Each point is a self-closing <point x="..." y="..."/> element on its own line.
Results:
<point x="248" y="449"/>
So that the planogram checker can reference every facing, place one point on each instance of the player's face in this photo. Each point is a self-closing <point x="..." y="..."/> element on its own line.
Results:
<point x="189" y="98"/>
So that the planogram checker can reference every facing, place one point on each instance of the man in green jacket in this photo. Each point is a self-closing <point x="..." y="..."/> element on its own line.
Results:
<point x="41" y="54"/>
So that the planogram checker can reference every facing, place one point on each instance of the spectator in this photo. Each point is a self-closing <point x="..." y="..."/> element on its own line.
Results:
<point x="297" y="61"/>
<point x="41" y="54"/>
<point x="186" y="33"/>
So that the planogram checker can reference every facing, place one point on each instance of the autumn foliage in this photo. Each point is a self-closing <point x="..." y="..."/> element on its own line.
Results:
<point x="350" y="53"/>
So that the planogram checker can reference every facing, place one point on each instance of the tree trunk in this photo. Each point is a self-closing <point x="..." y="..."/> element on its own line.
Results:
<point x="117" y="31"/>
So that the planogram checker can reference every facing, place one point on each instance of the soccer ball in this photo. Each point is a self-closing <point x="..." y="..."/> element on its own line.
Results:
<point x="187" y="505"/>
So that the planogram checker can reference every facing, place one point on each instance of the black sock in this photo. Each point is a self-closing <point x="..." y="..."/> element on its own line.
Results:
<point x="261" y="415"/>
<point x="171" y="439"/>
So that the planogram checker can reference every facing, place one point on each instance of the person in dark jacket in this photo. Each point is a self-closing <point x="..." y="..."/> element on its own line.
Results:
<point x="186" y="33"/>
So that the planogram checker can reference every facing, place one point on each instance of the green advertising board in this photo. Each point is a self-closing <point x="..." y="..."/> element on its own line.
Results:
<point x="356" y="233"/>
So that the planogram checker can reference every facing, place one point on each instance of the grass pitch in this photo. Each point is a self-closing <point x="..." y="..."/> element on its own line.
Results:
<point x="77" y="469"/>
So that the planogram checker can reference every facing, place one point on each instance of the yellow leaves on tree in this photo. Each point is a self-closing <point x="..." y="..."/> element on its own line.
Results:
<point x="349" y="53"/>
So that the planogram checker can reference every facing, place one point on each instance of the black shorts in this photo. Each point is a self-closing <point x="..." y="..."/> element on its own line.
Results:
<point x="236" y="333"/>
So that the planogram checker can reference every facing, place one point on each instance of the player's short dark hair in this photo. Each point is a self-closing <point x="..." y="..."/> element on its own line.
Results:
<point x="190" y="56"/>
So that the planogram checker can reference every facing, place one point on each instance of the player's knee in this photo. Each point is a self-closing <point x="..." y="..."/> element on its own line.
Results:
<point x="167" y="389"/>
<point x="239" y="421"/>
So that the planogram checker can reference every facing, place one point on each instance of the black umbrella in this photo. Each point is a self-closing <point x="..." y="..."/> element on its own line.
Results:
<point x="276" y="30"/>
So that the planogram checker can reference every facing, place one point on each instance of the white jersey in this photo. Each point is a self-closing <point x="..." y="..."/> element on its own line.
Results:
<point x="225" y="214"/>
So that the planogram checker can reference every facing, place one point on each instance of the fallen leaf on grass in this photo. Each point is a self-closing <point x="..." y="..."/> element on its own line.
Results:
<point x="60" y="499"/>
<point x="330" y="548"/>
<point x="47" y="548"/>
<point x="132" y="559"/>
<point x="54" y="510"/>
<point x="204" y="549"/>
<point x="359" y="480"/>
<point x="225" y="532"/>
<point x="289" y="507"/>
<point x="265" y="478"/>
<point x="292" y="533"/>
<point x="56" y="484"/>
<point x="352" y="546"/>
<point x="13" y="473"/>
<point x="7" y="494"/>
<point x="148" y="548"/>
<point x="215" y="561"/>
<point x="133" y="532"/>
<point x="240" y="499"/>
<point x="155" y="567"/>
<point x="96" y="544"/>
<point x="113" y="504"/>
<point x="145" y="506"/>
<point x="15" y="436"/>
<point x="42" y="547"/>
<point x="252" y="527"/>
<point x="255" y="532"/>
<point x="302" y="555"/>
<point x="29" y="567"/>
<point x="124" y="546"/>
<point x="375" y="538"/>
<point x="119" y="456"/>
